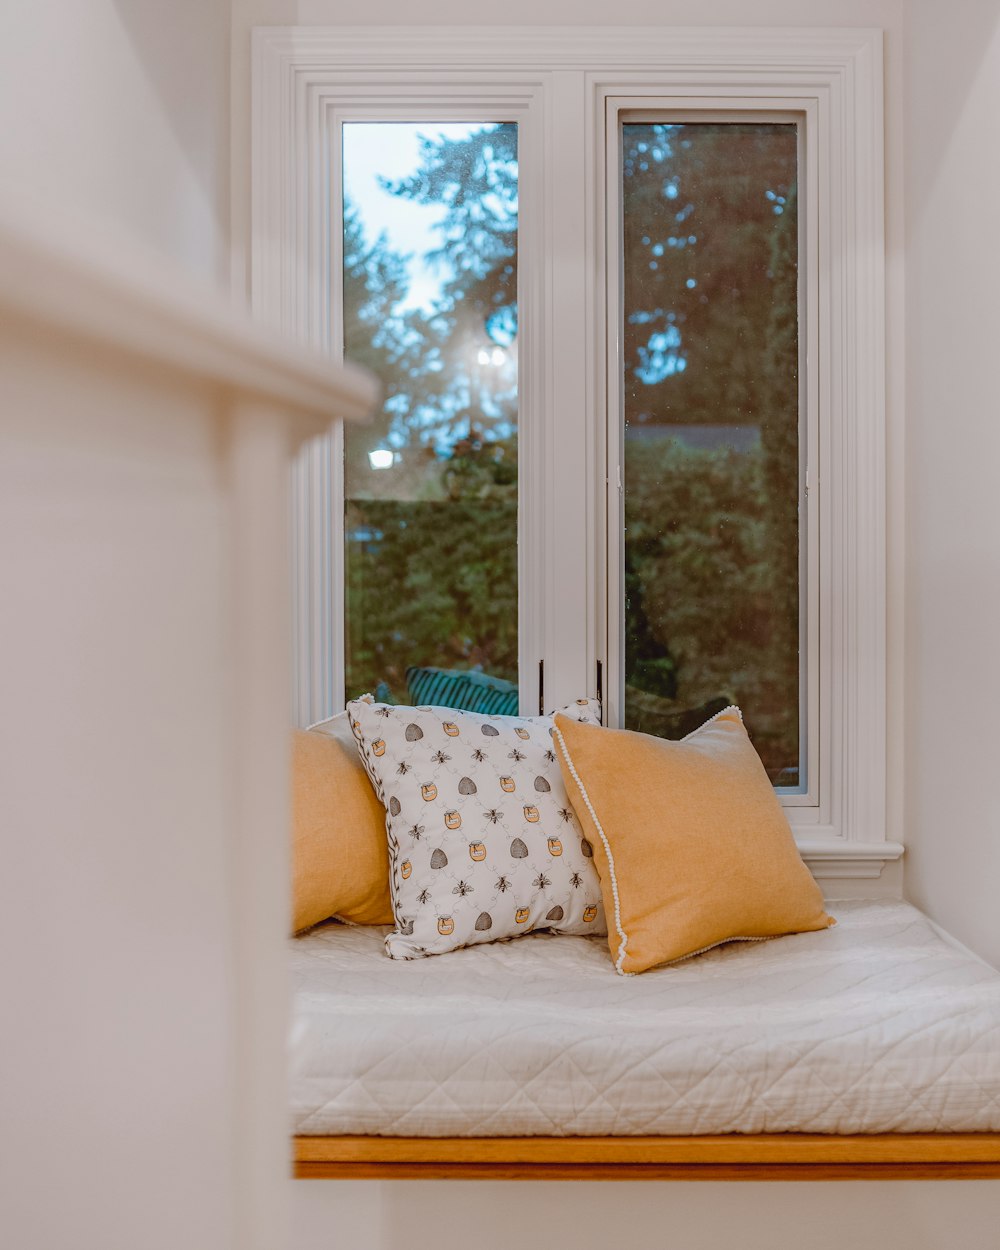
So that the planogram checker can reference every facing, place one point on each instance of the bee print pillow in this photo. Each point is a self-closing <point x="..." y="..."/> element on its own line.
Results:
<point x="483" y="841"/>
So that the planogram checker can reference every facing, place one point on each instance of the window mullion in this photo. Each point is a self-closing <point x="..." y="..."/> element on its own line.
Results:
<point x="568" y="508"/>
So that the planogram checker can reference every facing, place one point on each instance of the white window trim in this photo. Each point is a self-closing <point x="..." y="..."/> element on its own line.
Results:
<point x="761" y="105"/>
<point x="301" y="75"/>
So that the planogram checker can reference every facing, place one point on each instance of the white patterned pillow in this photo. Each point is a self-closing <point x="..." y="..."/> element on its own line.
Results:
<point x="483" y="841"/>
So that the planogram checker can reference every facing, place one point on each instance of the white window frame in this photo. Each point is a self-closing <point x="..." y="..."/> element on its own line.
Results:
<point x="737" y="106"/>
<point x="566" y="82"/>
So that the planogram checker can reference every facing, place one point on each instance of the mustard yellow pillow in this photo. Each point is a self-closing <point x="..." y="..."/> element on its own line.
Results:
<point x="690" y="841"/>
<point x="340" y="856"/>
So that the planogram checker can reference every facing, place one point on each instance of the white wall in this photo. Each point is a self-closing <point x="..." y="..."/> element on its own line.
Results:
<point x="646" y="1215"/>
<point x="119" y="1012"/>
<point x="115" y="925"/>
<point x="953" y="454"/>
<point x="119" y="109"/>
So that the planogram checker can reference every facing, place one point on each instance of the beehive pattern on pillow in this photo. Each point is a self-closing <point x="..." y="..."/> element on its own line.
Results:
<point x="483" y="841"/>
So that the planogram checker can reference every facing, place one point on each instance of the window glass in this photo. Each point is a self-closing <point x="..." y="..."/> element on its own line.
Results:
<point x="430" y="306"/>
<point x="711" y="443"/>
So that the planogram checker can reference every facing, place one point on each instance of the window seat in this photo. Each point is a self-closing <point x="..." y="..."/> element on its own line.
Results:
<point x="872" y="1045"/>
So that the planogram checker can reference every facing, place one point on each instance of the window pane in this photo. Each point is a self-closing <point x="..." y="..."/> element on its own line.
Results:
<point x="430" y="305"/>
<point x="711" y="394"/>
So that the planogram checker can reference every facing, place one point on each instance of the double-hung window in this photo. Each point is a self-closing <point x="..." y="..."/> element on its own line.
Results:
<point x="624" y="295"/>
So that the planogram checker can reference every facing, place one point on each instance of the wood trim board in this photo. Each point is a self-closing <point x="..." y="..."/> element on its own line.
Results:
<point x="766" y="1156"/>
<point x="79" y="281"/>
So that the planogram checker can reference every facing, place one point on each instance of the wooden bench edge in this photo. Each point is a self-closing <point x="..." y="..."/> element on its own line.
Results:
<point x="775" y="1156"/>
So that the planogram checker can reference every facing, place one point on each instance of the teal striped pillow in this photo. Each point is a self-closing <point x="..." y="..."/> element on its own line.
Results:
<point x="468" y="692"/>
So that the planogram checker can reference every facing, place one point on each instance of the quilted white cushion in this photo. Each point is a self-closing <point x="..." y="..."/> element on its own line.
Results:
<point x="877" y="1026"/>
<point x="483" y="841"/>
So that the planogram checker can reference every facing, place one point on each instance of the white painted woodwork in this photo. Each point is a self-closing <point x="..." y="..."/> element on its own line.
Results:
<point x="814" y="805"/>
<point x="145" y="435"/>
<point x="560" y="85"/>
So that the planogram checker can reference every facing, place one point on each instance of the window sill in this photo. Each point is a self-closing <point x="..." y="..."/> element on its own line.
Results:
<point x="837" y="857"/>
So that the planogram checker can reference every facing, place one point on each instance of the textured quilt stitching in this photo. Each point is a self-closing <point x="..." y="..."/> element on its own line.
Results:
<point x="867" y="1070"/>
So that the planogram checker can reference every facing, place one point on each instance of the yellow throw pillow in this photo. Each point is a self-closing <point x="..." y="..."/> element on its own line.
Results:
<point x="340" y="856"/>
<point x="691" y="843"/>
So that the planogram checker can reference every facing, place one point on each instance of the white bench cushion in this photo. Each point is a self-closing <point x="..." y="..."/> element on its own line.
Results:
<point x="878" y="1025"/>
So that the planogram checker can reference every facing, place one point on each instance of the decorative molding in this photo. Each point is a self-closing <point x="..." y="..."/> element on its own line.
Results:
<point x="840" y="858"/>
<point x="77" y="280"/>
<point x="760" y="51"/>
<point x="300" y="74"/>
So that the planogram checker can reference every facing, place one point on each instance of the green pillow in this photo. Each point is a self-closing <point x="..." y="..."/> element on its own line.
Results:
<point x="466" y="691"/>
